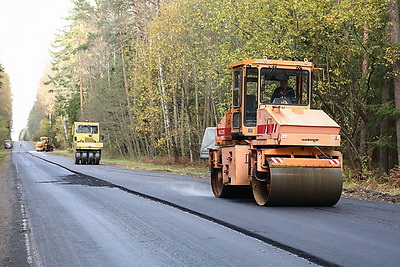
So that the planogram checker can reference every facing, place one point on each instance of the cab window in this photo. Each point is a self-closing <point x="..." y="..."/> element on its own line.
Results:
<point x="237" y="87"/>
<point x="86" y="129"/>
<point x="250" y="96"/>
<point x="284" y="86"/>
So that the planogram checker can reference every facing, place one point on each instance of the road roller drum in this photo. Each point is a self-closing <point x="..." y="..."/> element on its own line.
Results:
<point x="304" y="186"/>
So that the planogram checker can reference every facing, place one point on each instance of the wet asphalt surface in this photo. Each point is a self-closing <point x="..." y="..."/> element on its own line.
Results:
<point x="101" y="215"/>
<point x="79" y="220"/>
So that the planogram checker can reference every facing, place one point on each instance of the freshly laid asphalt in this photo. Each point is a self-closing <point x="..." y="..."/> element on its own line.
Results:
<point x="100" y="215"/>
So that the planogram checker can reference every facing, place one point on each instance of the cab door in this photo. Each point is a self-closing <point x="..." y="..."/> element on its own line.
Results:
<point x="237" y="88"/>
<point x="250" y="100"/>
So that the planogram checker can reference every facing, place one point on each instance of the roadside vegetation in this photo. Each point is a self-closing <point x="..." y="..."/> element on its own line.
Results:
<point x="3" y="154"/>
<point x="181" y="166"/>
<point x="155" y="73"/>
<point x="388" y="184"/>
<point x="5" y="106"/>
<point x="161" y="164"/>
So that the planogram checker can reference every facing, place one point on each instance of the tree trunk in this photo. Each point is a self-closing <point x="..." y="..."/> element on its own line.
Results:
<point x="164" y="107"/>
<point x="128" y="100"/>
<point x="366" y="133"/>
<point x="175" y="121"/>
<point x="182" y="124"/>
<point x="64" y="123"/>
<point x="153" y="124"/>
<point x="199" y="128"/>
<point x="80" y="86"/>
<point x="208" y="108"/>
<point x="185" y="108"/>
<point x="394" y="36"/>
<point x="383" y="150"/>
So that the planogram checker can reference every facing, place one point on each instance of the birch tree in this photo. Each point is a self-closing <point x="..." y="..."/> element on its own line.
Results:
<point x="394" y="37"/>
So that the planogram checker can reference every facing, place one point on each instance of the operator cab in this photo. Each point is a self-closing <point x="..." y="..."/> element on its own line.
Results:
<point x="86" y="132"/>
<point x="262" y="83"/>
<point x="87" y="129"/>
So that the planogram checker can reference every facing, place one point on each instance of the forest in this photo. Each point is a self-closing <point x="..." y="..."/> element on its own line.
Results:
<point x="155" y="73"/>
<point x="5" y="106"/>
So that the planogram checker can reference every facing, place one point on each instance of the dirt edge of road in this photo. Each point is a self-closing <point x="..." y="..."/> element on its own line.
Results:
<point x="12" y="241"/>
<point x="371" y="195"/>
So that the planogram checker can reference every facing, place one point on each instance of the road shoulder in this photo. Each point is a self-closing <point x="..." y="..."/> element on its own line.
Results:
<point x="12" y="241"/>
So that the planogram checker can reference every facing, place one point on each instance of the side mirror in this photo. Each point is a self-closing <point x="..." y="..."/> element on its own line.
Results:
<point x="102" y="137"/>
<point x="75" y="138"/>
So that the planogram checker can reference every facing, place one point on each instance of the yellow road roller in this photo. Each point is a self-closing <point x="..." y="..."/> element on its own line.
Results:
<point x="86" y="142"/>
<point x="44" y="144"/>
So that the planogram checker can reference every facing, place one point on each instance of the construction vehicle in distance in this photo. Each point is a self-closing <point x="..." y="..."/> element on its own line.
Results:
<point x="86" y="142"/>
<point x="271" y="142"/>
<point x="44" y="144"/>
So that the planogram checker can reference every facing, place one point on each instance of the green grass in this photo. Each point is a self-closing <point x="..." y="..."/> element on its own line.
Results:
<point x="3" y="153"/>
<point x="158" y="164"/>
<point x="190" y="169"/>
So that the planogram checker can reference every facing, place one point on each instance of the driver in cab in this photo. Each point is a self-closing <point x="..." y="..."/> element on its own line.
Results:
<point x="284" y="94"/>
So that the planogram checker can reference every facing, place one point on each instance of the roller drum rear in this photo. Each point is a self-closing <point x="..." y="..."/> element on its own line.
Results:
<point x="300" y="186"/>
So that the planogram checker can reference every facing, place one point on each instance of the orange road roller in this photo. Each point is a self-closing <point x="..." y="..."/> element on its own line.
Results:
<point x="272" y="142"/>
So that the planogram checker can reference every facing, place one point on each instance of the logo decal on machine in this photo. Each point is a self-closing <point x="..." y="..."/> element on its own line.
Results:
<point x="310" y="140"/>
<point x="223" y="131"/>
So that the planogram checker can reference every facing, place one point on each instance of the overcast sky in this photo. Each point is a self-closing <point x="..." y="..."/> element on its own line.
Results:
<point x="27" y="29"/>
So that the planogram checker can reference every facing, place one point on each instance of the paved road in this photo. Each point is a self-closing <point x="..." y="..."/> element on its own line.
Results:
<point x="74" y="220"/>
<point x="133" y="218"/>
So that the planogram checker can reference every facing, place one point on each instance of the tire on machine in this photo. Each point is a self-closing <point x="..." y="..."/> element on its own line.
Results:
<point x="97" y="157"/>
<point x="84" y="157"/>
<point x="90" y="157"/>
<point x="77" y="157"/>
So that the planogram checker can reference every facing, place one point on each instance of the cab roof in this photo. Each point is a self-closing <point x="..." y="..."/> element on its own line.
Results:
<point x="86" y="123"/>
<point x="273" y="62"/>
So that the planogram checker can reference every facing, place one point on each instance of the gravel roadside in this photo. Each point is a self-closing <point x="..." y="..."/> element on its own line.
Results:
<point x="371" y="195"/>
<point x="12" y="240"/>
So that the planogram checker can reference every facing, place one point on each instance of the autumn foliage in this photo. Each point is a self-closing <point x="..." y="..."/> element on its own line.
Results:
<point x="154" y="73"/>
<point x="5" y="106"/>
